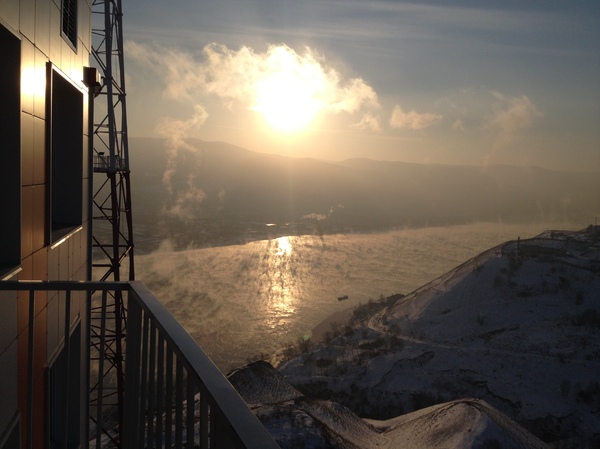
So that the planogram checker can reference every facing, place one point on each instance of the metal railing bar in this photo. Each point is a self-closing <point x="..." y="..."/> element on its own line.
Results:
<point x="67" y="352"/>
<point x="178" y="402"/>
<point x="30" y="359"/>
<point x="144" y="368"/>
<point x="190" y="412"/>
<point x="88" y="367"/>
<point x="212" y="423"/>
<point x="159" y="391"/>
<point x="100" y="375"/>
<point x="169" y="399"/>
<point x="132" y="381"/>
<point x="204" y="423"/>
<point x="244" y="423"/>
<point x="151" y="387"/>
<point x="45" y="286"/>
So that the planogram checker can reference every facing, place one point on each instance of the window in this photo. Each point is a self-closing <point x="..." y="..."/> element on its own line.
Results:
<point x="66" y="156"/>
<point x="10" y="152"/>
<point x="69" y="22"/>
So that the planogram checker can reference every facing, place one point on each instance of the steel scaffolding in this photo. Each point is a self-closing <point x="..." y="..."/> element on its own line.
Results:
<point x="111" y="224"/>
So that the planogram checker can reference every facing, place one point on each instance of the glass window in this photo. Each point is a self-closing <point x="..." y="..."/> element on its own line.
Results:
<point x="10" y="152"/>
<point x="66" y="155"/>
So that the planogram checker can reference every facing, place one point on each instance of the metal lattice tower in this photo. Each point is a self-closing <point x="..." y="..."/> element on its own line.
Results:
<point x="112" y="231"/>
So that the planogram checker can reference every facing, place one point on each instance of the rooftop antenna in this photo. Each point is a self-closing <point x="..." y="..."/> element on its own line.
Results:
<point x="112" y="232"/>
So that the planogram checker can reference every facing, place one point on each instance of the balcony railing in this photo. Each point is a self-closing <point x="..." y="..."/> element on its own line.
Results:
<point x="174" y="396"/>
<point x="103" y="163"/>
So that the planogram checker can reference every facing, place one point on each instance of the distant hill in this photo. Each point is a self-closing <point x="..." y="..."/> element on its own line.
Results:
<point x="221" y="194"/>
<point x="517" y="326"/>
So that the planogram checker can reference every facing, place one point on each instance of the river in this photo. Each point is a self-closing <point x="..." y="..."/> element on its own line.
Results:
<point x="243" y="300"/>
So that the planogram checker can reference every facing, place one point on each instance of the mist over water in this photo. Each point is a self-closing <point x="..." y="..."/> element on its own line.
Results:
<point x="242" y="300"/>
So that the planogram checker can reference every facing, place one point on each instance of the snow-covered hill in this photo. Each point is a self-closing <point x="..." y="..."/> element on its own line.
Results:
<point x="517" y="327"/>
<point x="297" y="421"/>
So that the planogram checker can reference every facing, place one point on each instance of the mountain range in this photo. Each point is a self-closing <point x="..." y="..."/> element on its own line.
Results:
<point x="211" y="193"/>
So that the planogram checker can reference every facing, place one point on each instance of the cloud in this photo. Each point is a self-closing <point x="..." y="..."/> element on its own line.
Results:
<point x="368" y="122"/>
<point x="511" y="114"/>
<point x="237" y="77"/>
<point x="177" y="70"/>
<point x="412" y="120"/>
<point x="458" y="125"/>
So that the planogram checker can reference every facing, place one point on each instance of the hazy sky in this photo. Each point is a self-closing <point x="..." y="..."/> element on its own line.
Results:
<point x="464" y="82"/>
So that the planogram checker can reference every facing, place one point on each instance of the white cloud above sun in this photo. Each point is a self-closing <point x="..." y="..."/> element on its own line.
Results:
<point x="289" y="89"/>
<point x="291" y="92"/>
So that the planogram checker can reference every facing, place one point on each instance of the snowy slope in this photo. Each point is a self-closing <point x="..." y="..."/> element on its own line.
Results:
<point x="298" y="421"/>
<point x="468" y="423"/>
<point x="517" y="326"/>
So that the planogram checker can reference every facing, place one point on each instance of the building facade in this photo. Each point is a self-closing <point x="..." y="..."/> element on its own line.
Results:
<point x="44" y="46"/>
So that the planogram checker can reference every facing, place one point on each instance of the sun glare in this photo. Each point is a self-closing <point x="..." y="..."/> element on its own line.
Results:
<point x="284" y="246"/>
<point x="287" y="97"/>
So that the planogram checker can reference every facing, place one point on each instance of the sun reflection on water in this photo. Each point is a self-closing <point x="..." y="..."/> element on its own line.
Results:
<point x="284" y="246"/>
<point x="279" y="283"/>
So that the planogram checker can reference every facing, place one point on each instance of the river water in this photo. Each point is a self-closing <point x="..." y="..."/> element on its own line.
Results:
<point x="243" y="300"/>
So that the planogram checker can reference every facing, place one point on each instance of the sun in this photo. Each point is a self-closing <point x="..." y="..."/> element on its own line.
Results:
<point x="287" y="98"/>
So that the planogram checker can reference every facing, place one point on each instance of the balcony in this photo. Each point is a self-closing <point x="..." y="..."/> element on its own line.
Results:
<point x="173" y="395"/>
<point x="103" y="163"/>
